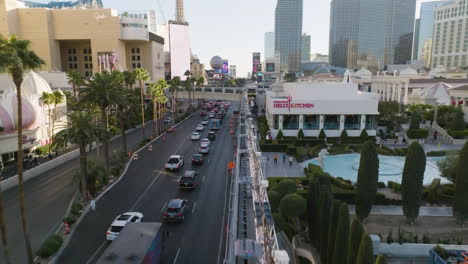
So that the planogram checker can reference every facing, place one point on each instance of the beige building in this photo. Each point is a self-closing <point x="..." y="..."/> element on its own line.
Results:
<point x="86" y="40"/>
<point x="450" y="38"/>
<point x="197" y="68"/>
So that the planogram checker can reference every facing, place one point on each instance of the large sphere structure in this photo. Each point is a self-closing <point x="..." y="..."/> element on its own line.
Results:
<point x="216" y="62"/>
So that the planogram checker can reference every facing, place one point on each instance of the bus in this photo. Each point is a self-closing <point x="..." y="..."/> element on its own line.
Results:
<point x="215" y="124"/>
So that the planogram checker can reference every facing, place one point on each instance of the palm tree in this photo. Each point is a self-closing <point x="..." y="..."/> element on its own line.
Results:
<point x="76" y="79"/>
<point x="142" y="75"/>
<point x="157" y="91"/>
<point x="80" y="130"/>
<point x="200" y="81"/>
<point x="188" y="87"/>
<point x="47" y="99"/>
<point x="103" y="90"/>
<point x="130" y="79"/>
<point x="174" y="89"/>
<point x="17" y="57"/>
<point x="57" y="98"/>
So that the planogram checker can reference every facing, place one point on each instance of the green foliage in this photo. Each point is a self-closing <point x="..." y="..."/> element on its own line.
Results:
<point x="286" y="187"/>
<point x="344" y="136"/>
<point x="381" y="260"/>
<point x="50" y="246"/>
<point x="415" y="120"/>
<point x="273" y="147"/>
<point x="395" y="186"/>
<point x="458" y="123"/>
<point x="412" y="181"/>
<point x="322" y="134"/>
<point x="325" y="203"/>
<point x="431" y="192"/>
<point x="441" y="252"/>
<point x="290" y="77"/>
<point x="293" y="205"/>
<point x="368" y="175"/>
<point x="461" y="134"/>
<point x="460" y="207"/>
<point x="313" y="196"/>
<point x="340" y="254"/>
<point x="332" y="224"/>
<point x="390" y="237"/>
<point x="301" y="154"/>
<point x="364" y="136"/>
<point x="97" y="172"/>
<point x="355" y="235"/>
<point x="274" y="197"/>
<point x="262" y="125"/>
<point x="280" y="222"/>
<point x="417" y="133"/>
<point x="440" y="153"/>
<point x="300" y="134"/>
<point x="76" y="209"/>
<point x="366" y="251"/>
<point x="280" y="134"/>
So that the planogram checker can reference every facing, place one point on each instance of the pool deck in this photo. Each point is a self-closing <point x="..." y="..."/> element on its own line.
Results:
<point x="282" y="169"/>
<point x="398" y="210"/>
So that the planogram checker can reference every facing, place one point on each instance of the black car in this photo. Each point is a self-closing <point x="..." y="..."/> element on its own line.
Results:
<point x="197" y="159"/>
<point x="188" y="180"/>
<point x="175" y="211"/>
<point x="211" y="135"/>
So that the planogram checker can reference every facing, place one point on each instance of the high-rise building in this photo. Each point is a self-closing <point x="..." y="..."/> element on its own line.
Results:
<point x="269" y="45"/>
<point x="450" y="39"/>
<point x="288" y="34"/>
<point x="426" y="27"/>
<point x="256" y="64"/>
<point x="179" y="43"/>
<point x="371" y="33"/>
<point x="233" y="71"/>
<point x="417" y="25"/>
<point x="305" y="47"/>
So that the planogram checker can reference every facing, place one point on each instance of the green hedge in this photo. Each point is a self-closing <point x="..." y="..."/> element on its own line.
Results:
<point x="458" y="134"/>
<point x="349" y="197"/>
<point x="316" y="171"/>
<point x="50" y="246"/>
<point x="395" y="186"/>
<point x="273" y="147"/>
<point x="417" y="133"/>
<point x="441" y="153"/>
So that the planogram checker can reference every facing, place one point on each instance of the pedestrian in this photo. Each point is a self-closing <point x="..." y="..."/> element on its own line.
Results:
<point x="275" y="158"/>
<point x="290" y="161"/>
<point x="49" y="156"/>
<point x="35" y="161"/>
<point x="93" y="205"/>
<point x="284" y="157"/>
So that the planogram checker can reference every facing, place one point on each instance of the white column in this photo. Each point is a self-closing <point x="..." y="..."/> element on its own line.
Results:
<point x="363" y="122"/>
<point x="321" y="122"/>
<point x="387" y="92"/>
<point x="342" y="119"/>
<point x="392" y="98"/>
<point x="405" y="100"/>
<point x="399" y="93"/>
<point x="280" y="122"/>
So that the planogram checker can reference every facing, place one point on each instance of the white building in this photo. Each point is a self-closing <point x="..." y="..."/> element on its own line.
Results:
<point x="333" y="107"/>
<point x="233" y="71"/>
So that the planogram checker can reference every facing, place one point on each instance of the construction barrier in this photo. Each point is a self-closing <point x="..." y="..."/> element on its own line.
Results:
<point x="67" y="228"/>
<point x="150" y="148"/>
<point x="135" y="157"/>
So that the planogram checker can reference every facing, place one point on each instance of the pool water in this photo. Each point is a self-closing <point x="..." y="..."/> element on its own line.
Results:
<point x="390" y="168"/>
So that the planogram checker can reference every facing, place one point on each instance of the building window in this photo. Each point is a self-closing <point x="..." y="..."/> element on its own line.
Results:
<point x="311" y="122"/>
<point x="352" y="122"/>
<point x="275" y="121"/>
<point x="290" y="122"/>
<point x="331" y="122"/>
<point x="371" y="123"/>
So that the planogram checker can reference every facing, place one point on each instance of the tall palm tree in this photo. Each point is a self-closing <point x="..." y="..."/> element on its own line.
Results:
<point x="80" y="130"/>
<point x="103" y="90"/>
<point x="47" y="100"/>
<point x="130" y="79"/>
<point x="142" y="75"/>
<point x="188" y="86"/>
<point x="57" y="98"/>
<point x="199" y="82"/>
<point x="17" y="57"/>
<point x="76" y="79"/>
<point x="157" y="91"/>
<point x="174" y="89"/>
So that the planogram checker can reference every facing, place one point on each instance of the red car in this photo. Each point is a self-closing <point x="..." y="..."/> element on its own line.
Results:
<point x="202" y="113"/>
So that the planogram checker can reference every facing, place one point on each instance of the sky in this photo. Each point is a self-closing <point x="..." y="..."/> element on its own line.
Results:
<point x="234" y="29"/>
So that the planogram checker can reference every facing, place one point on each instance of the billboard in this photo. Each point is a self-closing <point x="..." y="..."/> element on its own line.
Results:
<point x="179" y="38"/>
<point x="270" y="67"/>
<point x="225" y="69"/>
<point x="256" y="65"/>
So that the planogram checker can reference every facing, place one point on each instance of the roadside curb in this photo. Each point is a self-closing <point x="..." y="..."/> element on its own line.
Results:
<point x="86" y="209"/>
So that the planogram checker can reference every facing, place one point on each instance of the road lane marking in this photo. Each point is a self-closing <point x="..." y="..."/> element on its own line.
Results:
<point x="194" y="206"/>
<point x="222" y="223"/>
<point x="176" y="256"/>
<point x="96" y="252"/>
<point x="164" y="206"/>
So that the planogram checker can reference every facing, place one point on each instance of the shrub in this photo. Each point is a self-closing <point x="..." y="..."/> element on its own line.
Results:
<point x="322" y="134"/>
<point x="381" y="185"/>
<point x="460" y="134"/>
<point x="301" y="154"/>
<point x="417" y="133"/>
<point x="274" y="198"/>
<point x="415" y="120"/>
<point x="291" y="149"/>
<point x="50" y="246"/>
<point x="273" y="147"/>
<point x="344" y="136"/>
<point x="70" y="220"/>
<point x="76" y="209"/>
<point x="286" y="187"/>
<point x="390" y="236"/>
<point x="395" y="186"/>
<point x="441" y="252"/>
<point x="300" y="134"/>
<point x="426" y="239"/>
<point x="280" y="134"/>
<point x="458" y="122"/>
<point x="364" y="136"/>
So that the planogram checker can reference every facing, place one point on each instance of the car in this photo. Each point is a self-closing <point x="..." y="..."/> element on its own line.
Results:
<point x="195" y="136"/>
<point x="168" y="120"/>
<point x="211" y="135"/>
<point x="204" y="150"/>
<point x="197" y="159"/>
<point x="175" y="211"/>
<point x="174" y="163"/>
<point x="188" y="180"/>
<point x="203" y="107"/>
<point x="205" y="142"/>
<point x="204" y="122"/>
<point x="202" y="113"/>
<point x="120" y="222"/>
<point x="211" y="115"/>
<point x="200" y="127"/>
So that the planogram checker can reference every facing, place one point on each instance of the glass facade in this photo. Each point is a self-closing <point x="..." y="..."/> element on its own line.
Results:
<point x="352" y="122"/>
<point x="275" y="121"/>
<point x="371" y="122"/>
<point x="331" y="122"/>
<point x="371" y="33"/>
<point x="269" y="45"/>
<point x="288" y="34"/>
<point x="305" y="47"/>
<point x="311" y="122"/>
<point x="290" y="122"/>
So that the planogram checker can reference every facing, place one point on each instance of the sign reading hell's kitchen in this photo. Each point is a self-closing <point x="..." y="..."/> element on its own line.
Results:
<point x="288" y="104"/>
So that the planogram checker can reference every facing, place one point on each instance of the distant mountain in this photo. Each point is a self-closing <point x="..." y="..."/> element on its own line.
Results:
<point x="60" y="4"/>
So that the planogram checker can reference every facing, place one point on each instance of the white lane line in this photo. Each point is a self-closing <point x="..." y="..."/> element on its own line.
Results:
<point x="194" y="206"/>
<point x="203" y="179"/>
<point x="96" y="252"/>
<point x="164" y="206"/>
<point x="222" y="223"/>
<point x="176" y="256"/>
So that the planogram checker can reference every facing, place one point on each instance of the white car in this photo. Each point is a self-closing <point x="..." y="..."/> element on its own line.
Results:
<point x="120" y="222"/>
<point x="204" y="122"/>
<point x="175" y="162"/>
<point x="205" y="142"/>
<point x="168" y="121"/>
<point x="195" y="136"/>
<point x="200" y="128"/>
<point x="211" y="115"/>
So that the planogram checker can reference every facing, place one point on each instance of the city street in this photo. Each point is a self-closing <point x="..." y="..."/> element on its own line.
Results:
<point x="147" y="188"/>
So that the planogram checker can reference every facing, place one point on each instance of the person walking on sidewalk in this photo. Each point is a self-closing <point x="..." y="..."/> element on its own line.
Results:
<point x="93" y="205"/>
<point x="275" y="158"/>
<point x="284" y="157"/>
<point x="290" y="161"/>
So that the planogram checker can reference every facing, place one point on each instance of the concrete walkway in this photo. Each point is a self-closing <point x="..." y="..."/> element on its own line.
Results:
<point x="281" y="169"/>
<point x="398" y="210"/>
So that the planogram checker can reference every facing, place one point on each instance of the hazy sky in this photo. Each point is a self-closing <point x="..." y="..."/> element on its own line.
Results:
<point x="234" y="29"/>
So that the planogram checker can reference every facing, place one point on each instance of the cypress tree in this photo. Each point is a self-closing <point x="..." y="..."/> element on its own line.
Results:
<point x="355" y="235"/>
<point x="280" y="134"/>
<point x="364" y="136"/>
<point x="324" y="214"/>
<point x="412" y="181"/>
<point x="322" y="134"/>
<point x="366" y="251"/>
<point x="340" y="255"/>
<point x="460" y="206"/>
<point x="332" y="222"/>
<point x="381" y="260"/>
<point x="415" y="120"/>
<point x="300" y="134"/>
<point x="368" y="177"/>
<point x="313" y="196"/>
<point x="344" y="136"/>
<point x="458" y="122"/>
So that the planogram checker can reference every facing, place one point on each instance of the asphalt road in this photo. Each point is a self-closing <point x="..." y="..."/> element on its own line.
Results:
<point x="47" y="199"/>
<point x="147" y="188"/>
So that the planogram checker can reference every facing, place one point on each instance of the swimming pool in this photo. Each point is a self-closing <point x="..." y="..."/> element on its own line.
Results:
<point x="390" y="168"/>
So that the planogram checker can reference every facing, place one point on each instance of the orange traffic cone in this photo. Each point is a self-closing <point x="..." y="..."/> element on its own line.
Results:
<point x="67" y="228"/>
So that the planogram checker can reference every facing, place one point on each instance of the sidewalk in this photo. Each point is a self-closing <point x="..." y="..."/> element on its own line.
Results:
<point x="282" y="169"/>
<point x="398" y="210"/>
